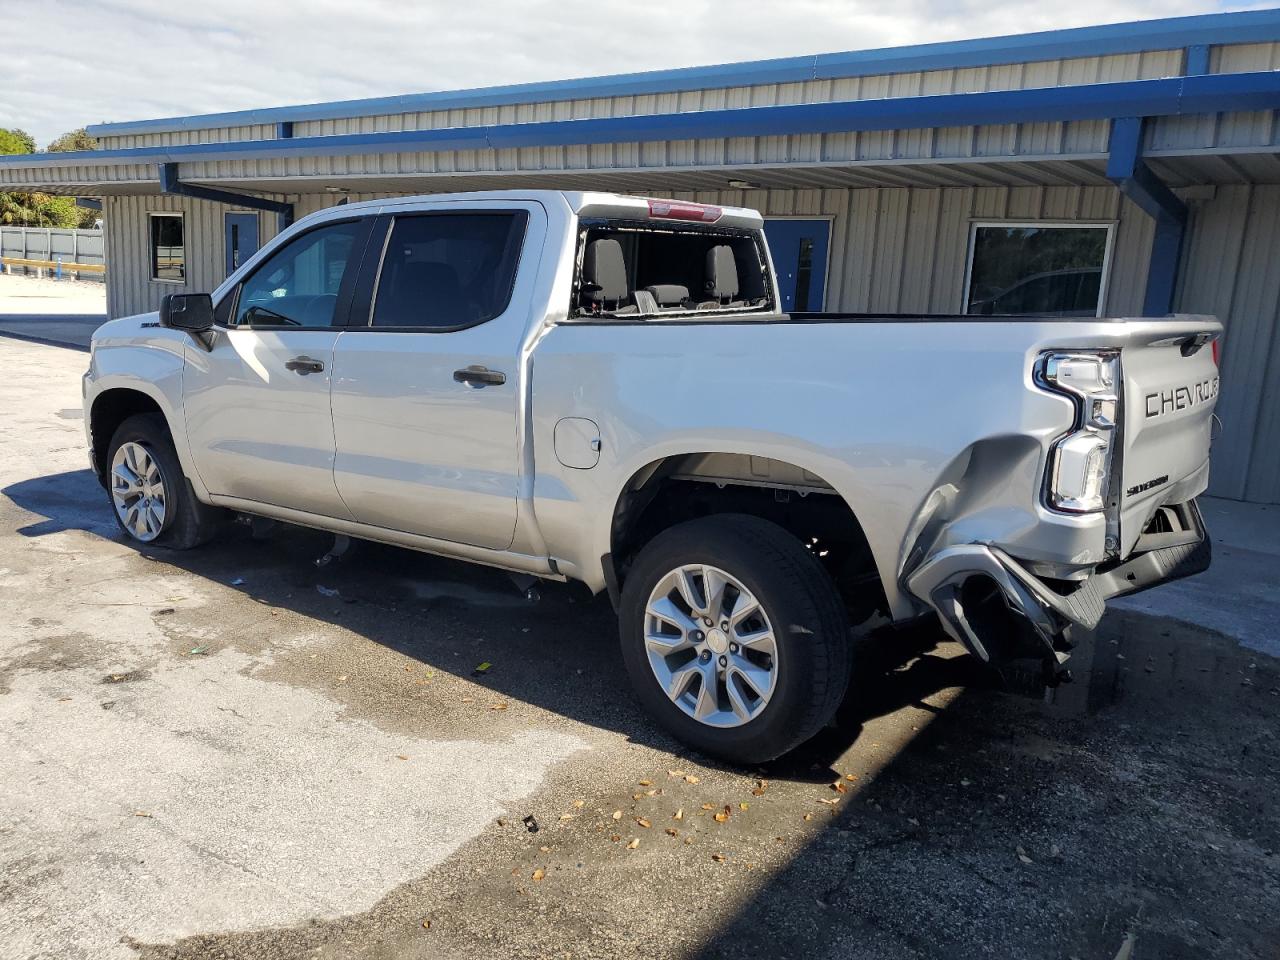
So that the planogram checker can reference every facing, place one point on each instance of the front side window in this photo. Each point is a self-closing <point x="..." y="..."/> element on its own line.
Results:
<point x="447" y="271"/>
<point x="298" y="285"/>
<point x="1037" y="269"/>
<point x="168" y="249"/>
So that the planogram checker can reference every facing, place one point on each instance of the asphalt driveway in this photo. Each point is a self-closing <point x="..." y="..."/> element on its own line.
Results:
<point x="237" y="753"/>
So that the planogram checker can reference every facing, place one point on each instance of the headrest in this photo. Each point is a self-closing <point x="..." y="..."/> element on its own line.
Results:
<point x="722" y="273"/>
<point x="669" y="294"/>
<point x="603" y="266"/>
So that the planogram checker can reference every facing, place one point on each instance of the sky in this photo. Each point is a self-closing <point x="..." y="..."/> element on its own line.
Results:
<point x="68" y="63"/>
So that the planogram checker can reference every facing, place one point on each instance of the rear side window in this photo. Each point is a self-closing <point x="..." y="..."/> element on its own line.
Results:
<point x="447" y="271"/>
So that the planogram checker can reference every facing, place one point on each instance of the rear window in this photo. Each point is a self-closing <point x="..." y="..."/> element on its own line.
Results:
<point x="642" y="269"/>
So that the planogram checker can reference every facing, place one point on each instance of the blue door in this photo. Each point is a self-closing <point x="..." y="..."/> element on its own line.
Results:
<point x="241" y="230"/>
<point x="799" y="249"/>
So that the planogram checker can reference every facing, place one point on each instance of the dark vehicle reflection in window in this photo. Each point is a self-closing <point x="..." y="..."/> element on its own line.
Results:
<point x="1058" y="293"/>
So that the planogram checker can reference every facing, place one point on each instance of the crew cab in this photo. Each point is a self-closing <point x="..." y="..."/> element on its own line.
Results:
<point x="592" y="387"/>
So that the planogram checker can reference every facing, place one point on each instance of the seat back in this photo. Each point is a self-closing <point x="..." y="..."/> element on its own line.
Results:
<point x="722" y="274"/>
<point x="604" y="273"/>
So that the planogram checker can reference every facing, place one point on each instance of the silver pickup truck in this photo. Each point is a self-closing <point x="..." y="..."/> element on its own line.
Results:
<point x="591" y="387"/>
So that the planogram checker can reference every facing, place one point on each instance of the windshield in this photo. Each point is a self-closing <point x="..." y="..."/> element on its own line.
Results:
<point x="639" y="269"/>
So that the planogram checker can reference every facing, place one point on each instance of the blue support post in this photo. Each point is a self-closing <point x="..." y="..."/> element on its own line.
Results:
<point x="1128" y="171"/>
<point x="1196" y="61"/>
<point x="284" y="131"/>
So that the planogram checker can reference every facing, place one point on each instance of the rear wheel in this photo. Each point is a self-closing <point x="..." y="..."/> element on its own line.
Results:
<point x="734" y="637"/>
<point x="150" y="496"/>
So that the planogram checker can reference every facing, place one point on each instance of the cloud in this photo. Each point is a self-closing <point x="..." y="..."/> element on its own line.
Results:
<point x="137" y="59"/>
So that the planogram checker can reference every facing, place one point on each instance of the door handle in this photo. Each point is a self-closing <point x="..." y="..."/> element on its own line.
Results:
<point x="304" y="365"/>
<point x="478" y="376"/>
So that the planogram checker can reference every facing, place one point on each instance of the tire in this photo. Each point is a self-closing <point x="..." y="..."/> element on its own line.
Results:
<point x="186" y="522"/>
<point x="811" y="649"/>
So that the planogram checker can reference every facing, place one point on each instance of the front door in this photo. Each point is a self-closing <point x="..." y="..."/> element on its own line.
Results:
<point x="799" y="251"/>
<point x="241" y="239"/>
<point x="257" y="402"/>
<point x="427" y="379"/>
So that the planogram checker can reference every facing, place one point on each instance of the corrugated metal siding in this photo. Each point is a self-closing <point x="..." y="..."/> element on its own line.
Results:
<point x="1048" y="73"/>
<point x="130" y="288"/>
<point x="1230" y="270"/>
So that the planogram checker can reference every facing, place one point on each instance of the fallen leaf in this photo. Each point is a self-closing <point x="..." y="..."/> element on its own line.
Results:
<point x="761" y="786"/>
<point x="708" y="806"/>
<point x="566" y="816"/>
<point x="690" y="778"/>
<point x="851" y="776"/>
<point x="141" y="813"/>
<point x="464" y="699"/>
<point x="401" y="756"/>
<point x="688" y="841"/>
<point x="498" y="706"/>
<point x="743" y="806"/>
<point x="839" y="787"/>
<point x="723" y="815"/>
<point x="342" y="679"/>
<point x="831" y="801"/>
<point x="1022" y="855"/>
<point x="652" y="793"/>
<point x="545" y="849"/>
<point x="643" y="822"/>
<point x="808" y="816"/>
<point x="483" y="667"/>
<point x="718" y="857"/>
<point x="617" y="814"/>
<point x="679" y="814"/>
<point x="426" y="924"/>
<point x="615" y="838"/>
<point x="672" y="832"/>
<point x="579" y="803"/>
<point x="633" y="844"/>
<point x="539" y="874"/>
<point x="675" y="773"/>
<point x="646" y="783"/>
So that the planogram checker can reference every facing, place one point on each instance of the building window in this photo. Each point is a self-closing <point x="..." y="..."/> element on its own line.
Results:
<point x="1043" y="269"/>
<point x="168" y="248"/>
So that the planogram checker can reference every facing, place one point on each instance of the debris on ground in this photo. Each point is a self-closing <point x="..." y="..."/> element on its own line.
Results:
<point x="530" y="823"/>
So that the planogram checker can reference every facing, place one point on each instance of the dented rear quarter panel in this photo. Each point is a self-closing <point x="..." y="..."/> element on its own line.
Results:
<point x="933" y="432"/>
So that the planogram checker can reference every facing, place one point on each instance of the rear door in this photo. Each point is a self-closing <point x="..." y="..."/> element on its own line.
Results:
<point x="1170" y="390"/>
<point x="427" y="381"/>
<point x="257" y="402"/>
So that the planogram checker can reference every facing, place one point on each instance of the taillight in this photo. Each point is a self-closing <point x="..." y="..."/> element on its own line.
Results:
<point x="1217" y="351"/>
<point x="675" y="210"/>
<point x="1080" y="462"/>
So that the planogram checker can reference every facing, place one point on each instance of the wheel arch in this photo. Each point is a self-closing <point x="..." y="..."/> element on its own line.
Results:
<point x="790" y="492"/>
<point x="112" y="404"/>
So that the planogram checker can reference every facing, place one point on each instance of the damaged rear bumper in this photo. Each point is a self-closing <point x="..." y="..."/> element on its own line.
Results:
<point x="1001" y="611"/>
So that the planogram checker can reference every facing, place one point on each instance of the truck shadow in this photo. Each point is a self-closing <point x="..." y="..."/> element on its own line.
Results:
<point x="552" y="645"/>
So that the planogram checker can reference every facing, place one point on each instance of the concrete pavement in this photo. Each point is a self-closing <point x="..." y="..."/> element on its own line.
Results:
<point x="233" y="752"/>
<point x="57" y="311"/>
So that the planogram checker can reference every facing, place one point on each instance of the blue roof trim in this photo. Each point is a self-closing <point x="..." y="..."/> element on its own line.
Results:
<point x="1250" y="26"/>
<point x="1171" y="96"/>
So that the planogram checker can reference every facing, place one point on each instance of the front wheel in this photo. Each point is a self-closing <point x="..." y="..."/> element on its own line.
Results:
<point x="734" y="637"/>
<point x="152" y="501"/>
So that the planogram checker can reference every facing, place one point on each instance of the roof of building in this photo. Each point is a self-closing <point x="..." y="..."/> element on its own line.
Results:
<point x="1250" y="26"/>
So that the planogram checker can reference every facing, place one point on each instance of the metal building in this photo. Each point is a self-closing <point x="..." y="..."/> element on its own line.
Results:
<point x="1122" y="170"/>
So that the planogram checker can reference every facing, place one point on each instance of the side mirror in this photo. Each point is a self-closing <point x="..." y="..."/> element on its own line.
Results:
<point x="192" y="312"/>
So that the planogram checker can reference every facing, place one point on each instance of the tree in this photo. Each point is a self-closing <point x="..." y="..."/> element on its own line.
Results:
<point x="43" y="209"/>
<point x="72" y="141"/>
<point x="16" y="141"/>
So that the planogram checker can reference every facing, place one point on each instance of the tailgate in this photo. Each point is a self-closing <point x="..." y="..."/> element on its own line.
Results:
<point x="1170" y="389"/>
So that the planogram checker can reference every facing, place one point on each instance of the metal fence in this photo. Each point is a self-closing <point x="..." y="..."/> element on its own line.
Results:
<point x="53" y="244"/>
